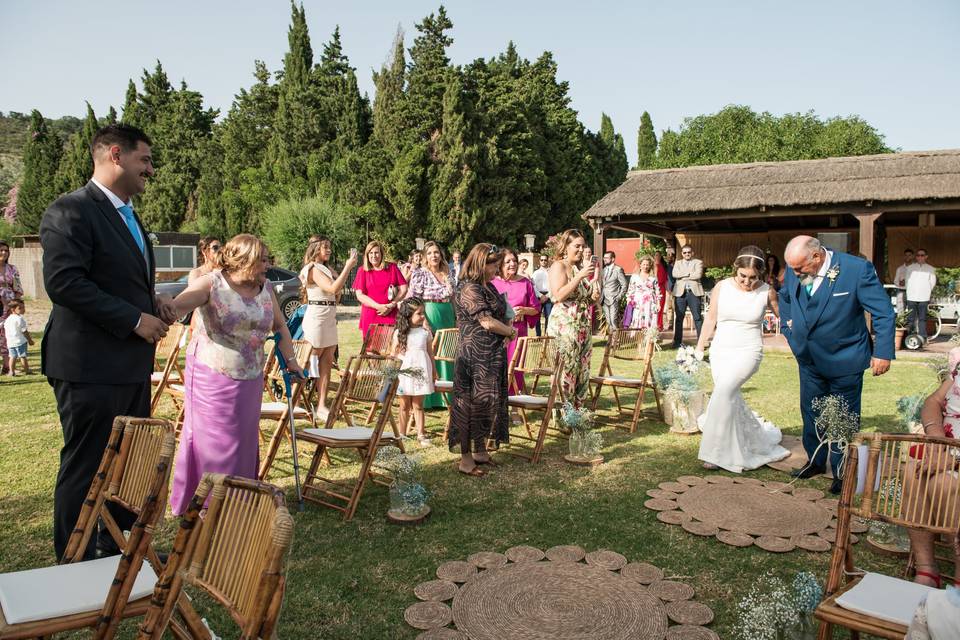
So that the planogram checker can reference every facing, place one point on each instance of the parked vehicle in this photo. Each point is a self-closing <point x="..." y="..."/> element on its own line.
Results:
<point x="285" y="283"/>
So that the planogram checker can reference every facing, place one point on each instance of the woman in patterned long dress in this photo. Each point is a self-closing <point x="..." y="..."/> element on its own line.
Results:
<point x="432" y="284"/>
<point x="479" y="408"/>
<point x="10" y="289"/>
<point x="643" y="296"/>
<point x="223" y="388"/>
<point x="572" y="296"/>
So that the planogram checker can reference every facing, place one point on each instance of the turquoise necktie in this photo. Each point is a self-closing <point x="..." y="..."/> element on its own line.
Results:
<point x="809" y="288"/>
<point x="127" y="212"/>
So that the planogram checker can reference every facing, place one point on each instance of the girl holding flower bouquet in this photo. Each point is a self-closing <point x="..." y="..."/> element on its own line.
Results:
<point x="413" y="343"/>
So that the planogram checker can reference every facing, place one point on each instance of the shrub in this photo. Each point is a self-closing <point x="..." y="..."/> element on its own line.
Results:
<point x="288" y="224"/>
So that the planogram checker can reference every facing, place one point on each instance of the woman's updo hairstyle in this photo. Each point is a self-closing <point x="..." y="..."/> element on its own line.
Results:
<point x="752" y="257"/>
<point x="241" y="255"/>
<point x="561" y="241"/>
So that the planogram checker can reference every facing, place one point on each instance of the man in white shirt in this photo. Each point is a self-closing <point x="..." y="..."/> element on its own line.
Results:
<point x="541" y="284"/>
<point x="920" y="279"/>
<point x="900" y="277"/>
<point x="455" y="267"/>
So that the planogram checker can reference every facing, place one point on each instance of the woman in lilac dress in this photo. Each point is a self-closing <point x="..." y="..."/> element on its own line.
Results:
<point x="223" y="386"/>
<point x="521" y="296"/>
<point x="379" y="286"/>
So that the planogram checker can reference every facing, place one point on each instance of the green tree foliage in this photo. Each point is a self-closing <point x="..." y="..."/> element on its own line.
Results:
<point x="76" y="165"/>
<point x="41" y="157"/>
<point x="288" y="224"/>
<point x="613" y="149"/>
<point x="646" y="143"/>
<point x="738" y="134"/>
<point x="388" y="124"/>
<point x="427" y="75"/>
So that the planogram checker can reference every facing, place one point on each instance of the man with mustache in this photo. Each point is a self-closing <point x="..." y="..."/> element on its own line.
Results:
<point x="98" y="346"/>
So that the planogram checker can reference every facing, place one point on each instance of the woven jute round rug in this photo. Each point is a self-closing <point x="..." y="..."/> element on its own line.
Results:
<point x="569" y="595"/>
<point x="744" y="512"/>
<point x="797" y="459"/>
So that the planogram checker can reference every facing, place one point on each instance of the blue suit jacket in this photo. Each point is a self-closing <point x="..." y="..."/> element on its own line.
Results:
<point x="829" y="332"/>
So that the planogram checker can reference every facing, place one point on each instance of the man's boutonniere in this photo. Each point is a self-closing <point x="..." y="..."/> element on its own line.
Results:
<point x="833" y="272"/>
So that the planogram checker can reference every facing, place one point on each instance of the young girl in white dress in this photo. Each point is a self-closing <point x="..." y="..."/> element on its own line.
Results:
<point x="413" y="342"/>
<point x="734" y="437"/>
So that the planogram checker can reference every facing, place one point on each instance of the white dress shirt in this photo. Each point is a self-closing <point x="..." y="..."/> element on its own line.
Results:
<point x="117" y="203"/>
<point x="541" y="281"/>
<point x="921" y="279"/>
<point x="817" y="279"/>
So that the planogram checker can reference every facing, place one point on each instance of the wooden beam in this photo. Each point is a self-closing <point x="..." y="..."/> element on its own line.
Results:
<point x="598" y="233"/>
<point x="867" y="235"/>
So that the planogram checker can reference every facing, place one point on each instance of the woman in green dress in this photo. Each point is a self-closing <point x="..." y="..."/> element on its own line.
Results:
<point x="432" y="284"/>
<point x="572" y="293"/>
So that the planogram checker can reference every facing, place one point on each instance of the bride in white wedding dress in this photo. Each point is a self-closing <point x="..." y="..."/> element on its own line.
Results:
<point x="734" y="437"/>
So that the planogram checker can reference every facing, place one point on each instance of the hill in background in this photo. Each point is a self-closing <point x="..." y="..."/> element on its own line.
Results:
<point x="14" y="128"/>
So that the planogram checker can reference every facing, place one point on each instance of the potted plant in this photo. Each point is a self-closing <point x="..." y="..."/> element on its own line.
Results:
<point x="408" y="497"/>
<point x="585" y="441"/>
<point x="684" y="399"/>
<point x="901" y="330"/>
<point x="776" y="610"/>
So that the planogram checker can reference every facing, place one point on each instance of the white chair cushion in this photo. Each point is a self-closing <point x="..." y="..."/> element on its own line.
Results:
<point x="352" y="434"/>
<point x="443" y="385"/>
<point x="65" y="589"/>
<point x="177" y="387"/>
<point x="890" y="599"/>
<point x="275" y="409"/>
<point x="540" y="401"/>
<point x="157" y="376"/>
<point x="614" y="379"/>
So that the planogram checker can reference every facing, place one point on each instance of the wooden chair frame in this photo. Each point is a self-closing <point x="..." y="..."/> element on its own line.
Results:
<point x="170" y="372"/>
<point x="445" y="344"/>
<point x="133" y="474"/>
<point x="534" y="356"/>
<point x="635" y="345"/>
<point x="379" y="340"/>
<point x="299" y="393"/>
<point x="235" y="554"/>
<point x="887" y="458"/>
<point x="363" y="382"/>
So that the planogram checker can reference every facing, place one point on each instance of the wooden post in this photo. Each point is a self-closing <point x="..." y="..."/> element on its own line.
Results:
<point x="867" y="234"/>
<point x="598" y="242"/>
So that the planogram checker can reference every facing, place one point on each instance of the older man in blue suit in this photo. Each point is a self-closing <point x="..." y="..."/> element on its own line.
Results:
<point x="822" y="304"/>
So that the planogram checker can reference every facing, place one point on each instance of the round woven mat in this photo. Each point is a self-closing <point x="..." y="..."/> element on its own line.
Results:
<point x="688" y="632"/>
<point x="428" y="615"/>
<point x="675" y="487"/>
<point x="691" y="480"/>
<point x="557" y="601"/>
<point x="435" y="590"/>
<point x="488" y="560"/>
<point x="565" y="553"/>
<point x="738" y="511"/>
<point x="573" y="595"/>
<point x="660" y="494"/>
<point x="609" y="560"/>
<point x="524" y="553"/>
<point x="456" y="571"/>
<point x="642" y="572"/>
<point x="688" y="612"/>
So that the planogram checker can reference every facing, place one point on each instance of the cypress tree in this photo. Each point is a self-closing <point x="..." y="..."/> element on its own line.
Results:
<point x="110" y="118"/>
<point x="388" y="127"/>
<point x="76" y="165"/>
<point x="41" y="157"/>
<point x="131" y="105"/>
<point x="427" y="75"/>
<point x="646" y="143"/>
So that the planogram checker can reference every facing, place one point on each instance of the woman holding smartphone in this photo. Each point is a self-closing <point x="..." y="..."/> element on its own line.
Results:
<point x="320" y="319"/>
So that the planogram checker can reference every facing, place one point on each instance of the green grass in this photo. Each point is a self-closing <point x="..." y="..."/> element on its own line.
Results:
<point x="354" y="579"/>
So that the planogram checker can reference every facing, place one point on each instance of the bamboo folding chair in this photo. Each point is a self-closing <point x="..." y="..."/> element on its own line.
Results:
<point x="870" y="602"/>
<point x="635" y="345"/>
<point x="364" y="382"/>
<point x="533" y="358"/>
<point x="235" y="554"/>
<point x="97" y="594"/>
<point x="167" y="369"/>
<point x="278" y="410"/>
<point x="445" y="343"/>
<point x="379" y="340"/>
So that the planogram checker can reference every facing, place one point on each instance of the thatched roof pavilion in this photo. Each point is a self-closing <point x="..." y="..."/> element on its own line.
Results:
<point x="863" y="195"/>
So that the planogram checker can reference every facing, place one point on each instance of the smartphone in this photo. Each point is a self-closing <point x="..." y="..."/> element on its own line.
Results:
<point x="595" y="259"/>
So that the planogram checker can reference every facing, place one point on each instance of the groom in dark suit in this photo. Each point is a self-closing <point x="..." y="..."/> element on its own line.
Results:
<point x="822" y="304"/>
<point x="98" y="346"/>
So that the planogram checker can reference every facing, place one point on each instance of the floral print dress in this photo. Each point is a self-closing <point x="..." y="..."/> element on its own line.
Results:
<point x="570" y="327"/>
<point x="10" y="289"/>
<point x="643" y="298"/>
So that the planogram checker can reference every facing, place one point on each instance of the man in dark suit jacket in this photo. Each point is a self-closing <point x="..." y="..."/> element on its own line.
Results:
<point x="822" y="303"/>
<point x="98" y="346"/>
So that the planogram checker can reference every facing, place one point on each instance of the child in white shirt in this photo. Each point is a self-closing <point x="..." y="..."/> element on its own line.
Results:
<point x="17" y="335"/>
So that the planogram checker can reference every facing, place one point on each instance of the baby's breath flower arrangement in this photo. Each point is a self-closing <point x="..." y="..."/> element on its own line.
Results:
<point x="391" y="372"/>
<point x="908" y="410"/>
<point x="776" y="610"/>
<point x="407" y="495"/>
<point x="836" y="425"/>
<point x="585" y="441"/>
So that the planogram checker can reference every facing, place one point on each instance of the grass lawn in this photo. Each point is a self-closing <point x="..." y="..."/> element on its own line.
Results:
<point x="354" y="579"/>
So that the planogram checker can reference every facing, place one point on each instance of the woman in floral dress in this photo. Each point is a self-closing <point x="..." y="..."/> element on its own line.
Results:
<point x="432" y="284"/>
<point x="643" y="296"/>
<point x="9" y="289"/>
<point x="572" y="296"/>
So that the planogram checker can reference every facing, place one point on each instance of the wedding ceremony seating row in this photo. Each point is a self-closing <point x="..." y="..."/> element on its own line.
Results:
<point x="634" y="345"/>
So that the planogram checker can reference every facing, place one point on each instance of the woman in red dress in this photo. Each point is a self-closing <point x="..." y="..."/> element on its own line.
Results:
<point x="379" y="286"/>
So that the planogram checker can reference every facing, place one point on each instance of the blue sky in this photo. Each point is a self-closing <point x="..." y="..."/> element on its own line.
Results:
<point x="895" y="63"/>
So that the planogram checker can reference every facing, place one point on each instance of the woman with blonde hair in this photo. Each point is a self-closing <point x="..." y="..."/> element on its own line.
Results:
<point x="223" y="386"/>
<point x="572" y="296"/>
<point x="479" y="410"/>
<point x="320" y="319"/>
<point x="432" y="283"/>
<point x="379" y="286"/>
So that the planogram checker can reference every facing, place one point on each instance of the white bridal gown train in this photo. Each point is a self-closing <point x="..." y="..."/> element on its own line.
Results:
<point x="734" y="437"/>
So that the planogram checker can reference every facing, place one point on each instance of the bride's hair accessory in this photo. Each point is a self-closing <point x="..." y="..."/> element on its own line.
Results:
<point x="747" y="255"/>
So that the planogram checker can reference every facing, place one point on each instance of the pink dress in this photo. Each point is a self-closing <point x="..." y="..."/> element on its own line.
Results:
<point x="520" y="293"/>
<point x="376" y="284"/>
<point x="223" y="387"/>
<point x="643" y="298"/>
<point x="951" y="405"/>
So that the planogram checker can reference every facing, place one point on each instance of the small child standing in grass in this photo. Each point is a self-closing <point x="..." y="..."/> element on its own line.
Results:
<point x="413" y="343"/>
<point x="18" y="337"/>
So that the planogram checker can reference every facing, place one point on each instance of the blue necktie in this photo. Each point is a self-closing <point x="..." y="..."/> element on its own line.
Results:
<point x="809" y="288"/>
<point x="127" y="212"/>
